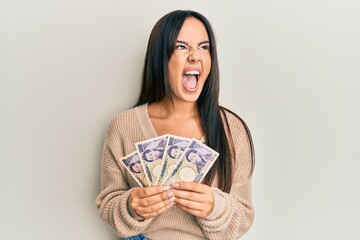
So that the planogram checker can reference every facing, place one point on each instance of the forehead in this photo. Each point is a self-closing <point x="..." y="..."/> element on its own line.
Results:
<point x="194" y="30"/>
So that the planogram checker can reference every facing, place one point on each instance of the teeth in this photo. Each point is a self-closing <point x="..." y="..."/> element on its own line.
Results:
<point x="192" y="73"/>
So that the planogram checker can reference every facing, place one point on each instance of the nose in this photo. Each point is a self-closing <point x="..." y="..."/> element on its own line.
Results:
<point x="194" y="56"/>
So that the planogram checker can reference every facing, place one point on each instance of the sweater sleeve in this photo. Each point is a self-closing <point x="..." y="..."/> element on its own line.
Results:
<point x="113" y="201"/>
<point x="233" y="212"/>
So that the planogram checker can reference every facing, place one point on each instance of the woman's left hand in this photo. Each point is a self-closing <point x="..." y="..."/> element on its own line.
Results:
<point x="194" y="198"/>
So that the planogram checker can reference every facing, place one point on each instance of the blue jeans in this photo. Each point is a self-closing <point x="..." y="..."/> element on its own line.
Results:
<point x="137" y="237"/>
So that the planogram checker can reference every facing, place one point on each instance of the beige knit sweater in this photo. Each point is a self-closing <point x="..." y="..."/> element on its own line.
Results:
<point x="232" y="215"/>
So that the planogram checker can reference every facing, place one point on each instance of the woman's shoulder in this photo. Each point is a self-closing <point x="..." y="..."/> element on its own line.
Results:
<point x="233" y="120"/>
<point x="240" y="133"/>
<point x="124" y="121"/>
<point x="128" y="115"/>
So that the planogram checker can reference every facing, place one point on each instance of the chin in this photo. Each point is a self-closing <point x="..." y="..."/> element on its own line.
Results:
<point x="191" y="99"/>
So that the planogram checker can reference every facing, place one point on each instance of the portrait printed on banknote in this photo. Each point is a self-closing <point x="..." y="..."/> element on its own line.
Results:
<point x="133" y="166"/>
<point x="151" y="153"/>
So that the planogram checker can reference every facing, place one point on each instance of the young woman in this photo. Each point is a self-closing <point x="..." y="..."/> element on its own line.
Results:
<point x="180" y="96"/>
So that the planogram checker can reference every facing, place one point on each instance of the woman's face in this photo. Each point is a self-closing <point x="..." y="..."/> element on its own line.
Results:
<point x="190" y="63"/>
<point x="137" y="167"/>
<point x="194" y="158"/>
<point x="176" y="153"/>
<point x="152" y="155"/>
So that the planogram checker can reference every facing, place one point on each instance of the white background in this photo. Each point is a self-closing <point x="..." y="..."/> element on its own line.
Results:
<point x="291" y="69"/>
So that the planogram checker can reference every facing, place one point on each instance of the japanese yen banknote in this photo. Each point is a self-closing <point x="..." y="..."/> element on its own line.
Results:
<point x="175" y="147"/>
<point x="167" y="159"/>
<point x="133" y="165"/>
<point x="193" y="164"/>
<point x="151" y="154"/>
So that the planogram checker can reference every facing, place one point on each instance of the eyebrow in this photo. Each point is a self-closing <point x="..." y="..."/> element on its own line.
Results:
<point x="187" y="44"/>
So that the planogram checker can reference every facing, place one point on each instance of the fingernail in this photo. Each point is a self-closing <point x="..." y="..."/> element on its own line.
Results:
<point x="171" y="200"/>
<point x="175" y="185"/>
<point x="166" y="187"/>
<point x="170" y="194"/>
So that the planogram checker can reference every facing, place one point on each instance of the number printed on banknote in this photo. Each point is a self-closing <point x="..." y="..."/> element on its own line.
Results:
<point x="194" y="163"/>
<point x="151" y="153"/>
<point x="133" y="165"/>
<point x="175" y="146"/>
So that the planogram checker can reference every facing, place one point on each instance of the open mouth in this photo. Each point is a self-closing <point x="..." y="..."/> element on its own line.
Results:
<point x="190" y="80"/>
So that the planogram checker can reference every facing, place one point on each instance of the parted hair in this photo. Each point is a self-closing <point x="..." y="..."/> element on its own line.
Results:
<point x="155" y="86"/>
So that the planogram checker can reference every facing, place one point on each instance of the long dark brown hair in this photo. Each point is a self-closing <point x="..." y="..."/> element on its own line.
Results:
<point x="155" y="86"/>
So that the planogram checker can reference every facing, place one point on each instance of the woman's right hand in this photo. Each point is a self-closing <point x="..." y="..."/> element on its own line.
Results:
<point x="149" y="202"/>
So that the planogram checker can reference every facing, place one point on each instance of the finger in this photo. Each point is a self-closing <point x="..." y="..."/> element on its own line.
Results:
<point x="189" y="204"/>
<point x="191" y="186"/>
<point x="155" y="199"/>
<point x="197" y="213"/>
<point x="155" y="209"/>
<point x="158" y="212"/>
<point x="148" y="191"/>
<point x="193" y="196"/>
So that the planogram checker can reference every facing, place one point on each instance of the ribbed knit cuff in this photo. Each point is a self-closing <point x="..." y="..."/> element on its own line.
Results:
<point x="219" y="206"/>
<point x="132" y="211"/>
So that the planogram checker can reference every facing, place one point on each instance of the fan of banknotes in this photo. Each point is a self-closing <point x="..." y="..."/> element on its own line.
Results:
<point x="167" y="159"/>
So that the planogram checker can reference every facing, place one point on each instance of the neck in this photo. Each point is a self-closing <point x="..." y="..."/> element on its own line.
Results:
<point x="177" y="109"/>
